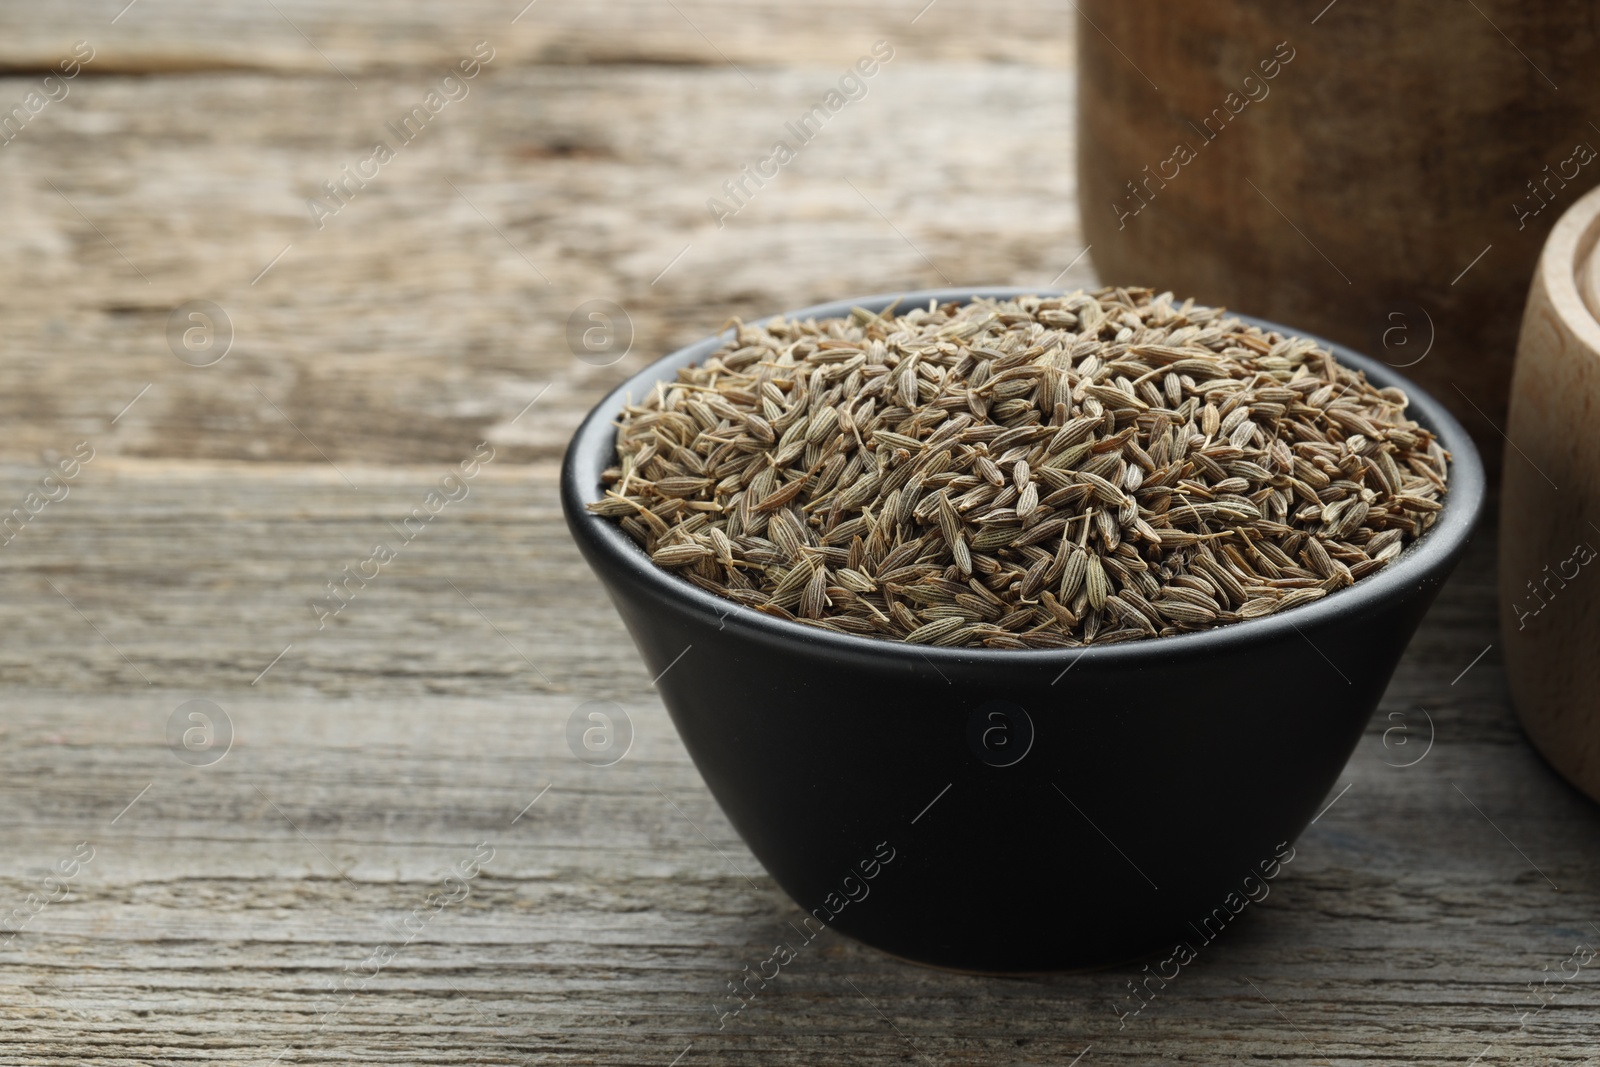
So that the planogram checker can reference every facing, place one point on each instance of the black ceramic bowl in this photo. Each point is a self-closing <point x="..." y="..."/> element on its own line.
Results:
<point x="1004" y="811"/>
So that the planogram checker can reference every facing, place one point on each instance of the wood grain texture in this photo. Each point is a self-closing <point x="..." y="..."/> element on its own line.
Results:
<point x="1355" y="193"/>
<point x="296" y="37"/>
<point x="370" y="756"/>
<point x="424" y="315"/>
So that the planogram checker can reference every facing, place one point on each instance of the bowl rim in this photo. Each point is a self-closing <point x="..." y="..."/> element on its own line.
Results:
<point x="593" y="447"/>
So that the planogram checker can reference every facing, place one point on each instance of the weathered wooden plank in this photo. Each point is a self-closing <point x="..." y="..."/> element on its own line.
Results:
<point x="302" y="37"/>
<point x="428" y="312"/>
<point x="1406" y="930"/>
<point x="1402" y="933"/>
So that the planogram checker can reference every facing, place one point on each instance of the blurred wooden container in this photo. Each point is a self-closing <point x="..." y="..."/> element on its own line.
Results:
<point x="1550" y="505"/>
<point x="1389" y="185"/>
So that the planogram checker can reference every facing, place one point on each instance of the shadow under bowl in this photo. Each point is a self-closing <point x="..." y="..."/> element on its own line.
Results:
<point x="1001" y="810"/>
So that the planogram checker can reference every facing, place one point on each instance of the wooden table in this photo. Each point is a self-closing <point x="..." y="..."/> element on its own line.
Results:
<point x="235" y="909"/>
